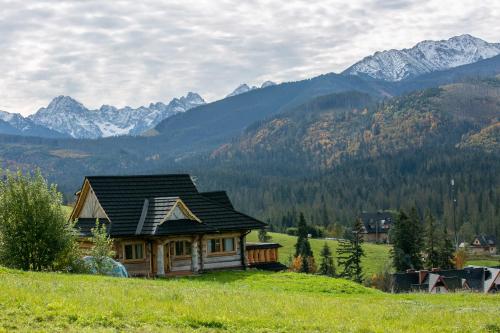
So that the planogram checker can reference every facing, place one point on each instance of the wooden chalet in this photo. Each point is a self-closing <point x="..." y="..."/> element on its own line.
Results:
<point x="162" y="225"/>
<point x="483" y="244"/>
<point x="472" y="278"/>
<point x="376" y="226"/>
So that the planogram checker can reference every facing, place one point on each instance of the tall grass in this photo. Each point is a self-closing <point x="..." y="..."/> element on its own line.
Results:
<point x="230" y="302"/>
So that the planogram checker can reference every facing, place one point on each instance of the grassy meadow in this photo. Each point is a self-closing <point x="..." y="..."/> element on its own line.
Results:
<point x="377" y="255"/>
<point x="249" y="301"/>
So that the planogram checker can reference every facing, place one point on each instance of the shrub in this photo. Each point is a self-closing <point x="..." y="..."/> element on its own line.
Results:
<point x="34" y="232"/>
<point x="304" y="265"/>
<point x="102" y="249"/>
<point x="382" y="280"/>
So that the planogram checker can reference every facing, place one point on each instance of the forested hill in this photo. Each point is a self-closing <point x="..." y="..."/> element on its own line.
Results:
<point x="205" y="127"/>
<point x="331" y="156"/>
<point x="342" y="154"/>
<point x="337" y="127"/>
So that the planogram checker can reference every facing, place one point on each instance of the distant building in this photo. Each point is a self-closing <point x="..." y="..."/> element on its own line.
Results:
<point x="473" y="278"/>
<point x="482" y="244"/>
<point x="376" y="226"/>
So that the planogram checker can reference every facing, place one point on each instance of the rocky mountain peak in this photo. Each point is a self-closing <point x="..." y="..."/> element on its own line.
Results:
<point x="425" y="57"/>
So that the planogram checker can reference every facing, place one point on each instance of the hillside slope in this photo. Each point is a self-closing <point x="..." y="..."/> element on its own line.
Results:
<point x="232" y="302"/>
<point x="337" y="127"/>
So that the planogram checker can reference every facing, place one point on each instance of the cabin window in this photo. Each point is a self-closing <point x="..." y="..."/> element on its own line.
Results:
<point x="182" y="248"/>
<point x="228" y="244"/>
<point x="214" y="245"/>
<point x="221" y="245"/>
<point x="133" y="251"/>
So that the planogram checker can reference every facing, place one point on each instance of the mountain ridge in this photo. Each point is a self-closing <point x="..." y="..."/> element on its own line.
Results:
<point x="425" y="57"/>
<point x="66" y="117"/>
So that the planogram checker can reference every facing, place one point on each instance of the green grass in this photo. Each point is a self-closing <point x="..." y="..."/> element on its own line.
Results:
<point x="230" y="302"/>
<point x="376" y="255"/>
<point x="484" y="262"/>
<point x="67" y="210"/>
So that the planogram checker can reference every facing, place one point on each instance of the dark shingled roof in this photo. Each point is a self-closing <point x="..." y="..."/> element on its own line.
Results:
<point x="123" y="198"/>
<point x="253" y="246"/>
<point x="85" y="226"/>
<point x="269" y="266"/>
<point x="379" y="222"/>
<point x="453" y="279"/>
<point x="404" y="282"/>
<point x="486" y="240"/>
<point x="220" y="197"/>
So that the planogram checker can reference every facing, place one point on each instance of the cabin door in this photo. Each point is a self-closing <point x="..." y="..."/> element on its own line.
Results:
<point x="167" y="257"/>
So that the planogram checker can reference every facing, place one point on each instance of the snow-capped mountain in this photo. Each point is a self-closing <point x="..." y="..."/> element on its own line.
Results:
<point x="243" y="88"/>
<point x="267" y="84"/>
<point x="14" y="123"/>
<point x="68" y="116"/>
<point x="427" y="56"/>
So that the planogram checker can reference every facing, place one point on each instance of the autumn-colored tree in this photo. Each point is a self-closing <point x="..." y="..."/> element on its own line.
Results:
<point x="460" y="258"/>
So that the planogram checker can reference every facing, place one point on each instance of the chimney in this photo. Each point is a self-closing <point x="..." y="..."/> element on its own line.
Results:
<point x="422" y="275"/>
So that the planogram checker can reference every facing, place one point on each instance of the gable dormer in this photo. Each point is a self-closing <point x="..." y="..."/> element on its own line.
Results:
<point x="179" y="211"/>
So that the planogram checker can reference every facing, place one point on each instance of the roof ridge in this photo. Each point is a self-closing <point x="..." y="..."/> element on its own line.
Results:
<point x="228" y="208"/>
<point x="140" y="175"/>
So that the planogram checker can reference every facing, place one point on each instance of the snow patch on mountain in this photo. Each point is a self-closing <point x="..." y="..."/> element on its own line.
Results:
<point x="66" y="115"/>
<point x="243" y="88"/>
<point x="19" y="125"/>
<point x="425" y="57"/>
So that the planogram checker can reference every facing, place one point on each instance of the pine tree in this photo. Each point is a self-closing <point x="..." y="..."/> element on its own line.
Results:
<point x="446" y="251"/>
<point x="417" y="233"/>
<point x="263" y="236"/>
<point x="406" y="236"/>
<point x="431" y="242"/>
<point x="327" y="266"/>
<point x="350" y="252"/>
<point x="303" y="248"/>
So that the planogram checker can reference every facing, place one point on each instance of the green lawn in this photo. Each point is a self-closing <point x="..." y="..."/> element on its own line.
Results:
<point x="376" y="255"/>
<point x="484" y="262"/>
<point x="230" y="302"/>
<point x="67" y="210"/>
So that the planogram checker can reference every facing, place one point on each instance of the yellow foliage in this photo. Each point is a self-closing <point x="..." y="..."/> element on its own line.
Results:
<point x="297" y="264"/>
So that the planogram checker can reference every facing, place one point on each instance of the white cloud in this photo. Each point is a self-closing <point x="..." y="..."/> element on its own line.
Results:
<point x="136" y="52"/>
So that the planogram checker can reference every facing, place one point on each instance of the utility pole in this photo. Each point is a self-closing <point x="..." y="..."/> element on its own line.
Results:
<point x="454" y="202"/>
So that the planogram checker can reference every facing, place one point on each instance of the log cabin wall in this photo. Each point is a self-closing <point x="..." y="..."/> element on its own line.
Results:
<point x="136" y="266"/>
<point x="219" y="260"/>
<point x="144" y="254"/>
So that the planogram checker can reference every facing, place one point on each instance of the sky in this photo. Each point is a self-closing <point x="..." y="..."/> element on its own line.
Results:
<point x="136" y="52"/>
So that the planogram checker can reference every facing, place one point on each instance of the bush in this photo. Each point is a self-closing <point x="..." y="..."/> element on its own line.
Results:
<point x="382" y="280"/>
<point x="102" y="249"/>
<point x="299" y="262"/>
<point x="34" y="232"/>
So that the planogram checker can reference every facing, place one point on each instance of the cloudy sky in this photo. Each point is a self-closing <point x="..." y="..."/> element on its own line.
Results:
<point x="136" y="52"/>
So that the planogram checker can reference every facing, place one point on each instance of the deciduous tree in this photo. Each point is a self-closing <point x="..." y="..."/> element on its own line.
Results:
<point x="34" y="231"/>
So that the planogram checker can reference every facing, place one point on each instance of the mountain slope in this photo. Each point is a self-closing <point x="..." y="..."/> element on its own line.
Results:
<point x="243" y="88"/>
<point x="208" y="126"/>
<point x="15" y="124"/>
<point x="68" y="116"/>
<point x="425" y="57"/>
<point x="336" y="127"/>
